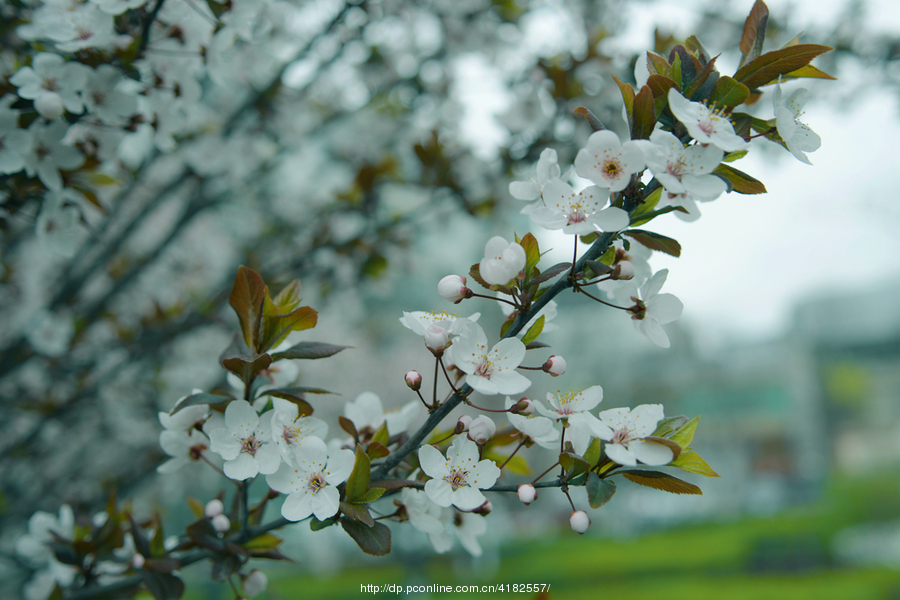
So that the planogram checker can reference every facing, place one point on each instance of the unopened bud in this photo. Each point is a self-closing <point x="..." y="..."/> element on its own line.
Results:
<point x="555" y="365"/>
<point x="623" y="270"/>
<point x="49" y="105"/>
<point x="137" y="561"/>
<point x="453" y="288"/>
<point x="523" y="407"/>
<point x="221" y="523"/>
<point x="463" y="424"/>
<point x="481" y="429"/>
<point x="485" y="509"/>
<point x="579" y="521"/>
<point x="213" y="508"/>
<point x="255" y="583"/>
<point x="526" y="493"/>
<point x="413" y="380"/>
<point x="437" y="339"/>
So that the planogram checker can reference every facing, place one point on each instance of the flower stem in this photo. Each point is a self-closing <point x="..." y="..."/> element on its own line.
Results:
<point x="538" y="478"/>
<point x="509" y="458"/>
<point x="447" y="375"/>
<point x="592" y="297"/>
<point x="513" y="304"/>
<point x="493" y="410"/>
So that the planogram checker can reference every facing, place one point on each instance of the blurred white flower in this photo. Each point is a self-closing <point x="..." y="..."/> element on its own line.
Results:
<point x="798" y="137"/>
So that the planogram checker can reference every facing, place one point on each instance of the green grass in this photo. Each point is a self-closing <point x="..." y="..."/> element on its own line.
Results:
<point x="784" y="557"/>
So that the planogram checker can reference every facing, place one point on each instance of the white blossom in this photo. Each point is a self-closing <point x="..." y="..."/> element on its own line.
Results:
<point x="310" y="478"/>
<point x="541" y="429"/>
<point x="624" y="431"/>
<point x="51" y="82"/>
<point x="652" y="309"/>
<point x="367" y="413"/>
<point x="459" y="478"/>
<point x="489" y="371"/>
<point x="289" y="429"/>
<point x="683" y="169"/>
<point x="705" y="125"/>
<point x="578" y="213"/>
<point x="546" y="169"/>
<point x="245" y="442"/>
<point x="798" y="137"/>
<point x="607" y="162"/>
<point x="502" y="261"/>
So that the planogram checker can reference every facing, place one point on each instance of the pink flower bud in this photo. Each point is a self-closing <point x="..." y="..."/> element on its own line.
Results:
<point x="255" y="583"/>
<point x="481" y="429"/>
<point x="413" y="380"/>
<point x="555" y="365"/>
<point x="221" y="523"/>
<point x="523" y="407"/>
<point x="623" y="270"/>
<point x="137" y="561"/>
<point x="437" y="339"/>
<point x="463" y="423"/>
<point x="527" y="494"/>
<point x="213" y="508"/>
<point x="579" y="521"/>
<point x="453" y="288"/>
<point x="49" y="105"/>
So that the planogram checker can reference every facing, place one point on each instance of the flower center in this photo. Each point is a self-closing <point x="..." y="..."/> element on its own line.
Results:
<point x="290" y="434"/>
<point x="622" y="436"/>
<point x="484" y="368"/>
<point x="676" y="168"/>
<point x="567" y="401"/>
<point x="316" y="482"/>
<point x="457" y="478"/>
<point x="612" y="169"/>
<point x="250" y="445"/>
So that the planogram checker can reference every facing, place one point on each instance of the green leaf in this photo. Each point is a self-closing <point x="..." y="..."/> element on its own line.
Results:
<point x="381" y="436"/>
<point x="551" y="272"/>
<point x="677" y="75"/>
<point x="808" y="71"/>
<point x="393" y="484"/>
<point x="574" y="464"/>
<point x="627" y="96"/>
<point x="599" y="491"/>
<point x="196" y="507"/>
<point x="372" y="540"/>
<point x="247" y="298"/>
<point x="371" y="495"/>
<point x="358" y="482"/>
<point x="534" y="331"/>
<point x="536" y="345"/>
<point x="163" y="586"/>
<point x="247" y="367"/>
<point x="593" y="452"/>
<point x="376" y="450"/>
<point x="357" y="512"/>
<point x="766" y="68"/>
<point x="661" y="481"/>
<point x="644" y="115"/>
<point x="304" y="409"/>
<point x="317" y="525"/>
<point x="754" y="33"/>
<point x="685" y="434"/>
<point x="728" y="93"/>
<point x="659" y="87"/>
<point x="739" y="181"/>
<point x="276" y="327"/>
<point x="532" y="252"/>
<point x="733" y="156"/>
<point x="288" y="298"/>
<point x="348" y="426"/>
<point x="657" y="65"/>
<point x="201" y="398"/>
<point x="668" y="425"/>
<point x="692" y="463"/>
<point x="655" y="241"/>
<point x="309" y="350"/>
<point x="590" y="117"/>
<point x="266" y="541"/>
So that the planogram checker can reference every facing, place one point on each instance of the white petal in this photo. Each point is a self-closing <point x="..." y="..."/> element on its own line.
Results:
<point x="269" y="457"/>
<point x="439" y="491"/>
<point x="704" y="187"/>
<point x="287" y="479"/>
<point x="325" y="503"/>
<point x="433" y="463"/>
<point x="651" y="453"/>
<point x="240" y="414"/>
<point x="465" y="498"/>
<point x="484" y="475"/>
<point x="654" y="332"/>
<point x="665" y="308"/>
<point x="340" y="465"/>
<point x="242" y="467"/>
<point x="297" y="506"/>
<point x="620" y="454"/>
<point x="611" y="219"/>
<point x="525" y="190"/>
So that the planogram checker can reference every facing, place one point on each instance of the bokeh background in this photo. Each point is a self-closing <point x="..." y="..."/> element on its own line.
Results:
<point x="366" y="148"/>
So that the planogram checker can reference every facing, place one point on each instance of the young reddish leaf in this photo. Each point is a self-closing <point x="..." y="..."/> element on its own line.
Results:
<point x="551" y="272"/>
<point x="372" y="540"/>
<point x="659" y="87"/>
<point x="707" y="75"/>
<point x="754" y="32"/>
<point x="201" y="398"/>
<point x="655" y="241"/>
<point x="348" y="426"/>
<point x="694" y="44"/>
<point x="532" y="252"/>
<point x="643" y="118"/>
<point x="740" y="181"/>
<point x="600" y="491"/>
<point x="590" y="117"/>
<point x="309" y="350"/>
<point x="536" y="345"/>
<point x="661" y="481"/>
<point x="728" y="93"/>
<point x="247" y="299"/>
<point x="394" y="484"/>
<point x="377" y="450"/>
<point x="766" y="68"/>
<point x="693" y="463"/>
<point x="627" y="96"/>
<point x="247" y="367"/>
